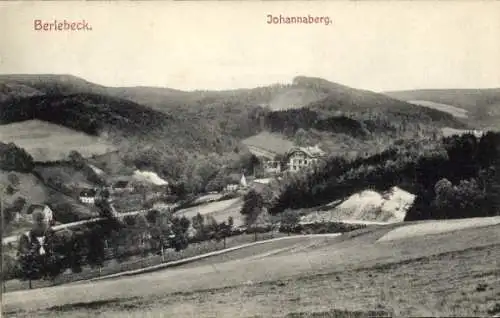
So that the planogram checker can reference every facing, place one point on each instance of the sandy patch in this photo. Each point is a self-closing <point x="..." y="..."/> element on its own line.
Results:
<point x="367" y="207"/>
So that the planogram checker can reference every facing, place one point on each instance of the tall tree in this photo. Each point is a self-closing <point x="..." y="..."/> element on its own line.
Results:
<point x="29" y="258"/>
<point x="289" y="220"/>
<point x="198" y="223"/>
<point x="179" y="237"/>
<point x="253" y="204"/>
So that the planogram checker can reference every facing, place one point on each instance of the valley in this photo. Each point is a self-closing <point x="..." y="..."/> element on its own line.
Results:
<point x="201" y="199"/>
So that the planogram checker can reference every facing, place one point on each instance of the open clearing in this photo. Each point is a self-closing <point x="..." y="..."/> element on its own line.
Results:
<point x="453" y="273"/>
<point x="455" y="111"/>
<point x="49" y="142"/>
<point x="219" y="210"/>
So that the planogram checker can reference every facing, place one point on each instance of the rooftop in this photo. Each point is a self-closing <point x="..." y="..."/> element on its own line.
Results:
<point x="88" y="193"/>
<point x="314" y="151"/>
<point x="266" y="142"/>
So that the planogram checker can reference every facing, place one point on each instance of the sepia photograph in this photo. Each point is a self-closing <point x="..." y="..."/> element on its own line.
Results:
<point x="250" y="159"/>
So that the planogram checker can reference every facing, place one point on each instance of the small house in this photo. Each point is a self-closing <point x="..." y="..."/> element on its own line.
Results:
<point x="235" y="181"/>
<point x="232" y="187"/>
<point x="88" y="196"/>
<point x="122" y="185"/>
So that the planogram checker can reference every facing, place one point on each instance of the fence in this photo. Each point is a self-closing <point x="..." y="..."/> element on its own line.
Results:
<point x="137" y="262"/>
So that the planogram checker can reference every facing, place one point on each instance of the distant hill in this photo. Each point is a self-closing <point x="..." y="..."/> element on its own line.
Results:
<point x="170" y="131"/>
<point x="483" y="105"/>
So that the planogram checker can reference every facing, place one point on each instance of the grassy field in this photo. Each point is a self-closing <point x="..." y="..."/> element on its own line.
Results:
<point x="454" y="273"/>
<point x="28" y="187"/>
<point x="220" y="211"/>
<point x="455" y="111"/>
<point x="48" y="142"/>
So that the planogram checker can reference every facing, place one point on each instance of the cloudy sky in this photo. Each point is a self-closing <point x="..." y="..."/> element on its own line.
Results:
<point x="187" y="45"/>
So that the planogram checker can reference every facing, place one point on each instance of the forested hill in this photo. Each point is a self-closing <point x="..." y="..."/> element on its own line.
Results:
<point x="176" y="133"/>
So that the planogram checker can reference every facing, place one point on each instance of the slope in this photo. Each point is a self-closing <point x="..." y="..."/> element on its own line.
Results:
<point x="402" y="276"/>
<point x="47" y="142"/>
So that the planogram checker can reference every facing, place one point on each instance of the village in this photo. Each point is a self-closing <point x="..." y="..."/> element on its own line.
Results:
<point x="145" y="190"/>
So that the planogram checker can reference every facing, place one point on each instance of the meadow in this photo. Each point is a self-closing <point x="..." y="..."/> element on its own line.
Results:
<point x="450" y="273"/>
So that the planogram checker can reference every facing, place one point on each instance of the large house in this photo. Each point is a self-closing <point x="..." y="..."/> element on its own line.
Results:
<point x="300" y="157"/>
<point x="276" y="154"/>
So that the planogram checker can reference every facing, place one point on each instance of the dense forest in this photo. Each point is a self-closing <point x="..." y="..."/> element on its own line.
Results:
<point x="194" y="138"/>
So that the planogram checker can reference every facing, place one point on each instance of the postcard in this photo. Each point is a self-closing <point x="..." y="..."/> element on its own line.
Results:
<point x="250" y="158"/>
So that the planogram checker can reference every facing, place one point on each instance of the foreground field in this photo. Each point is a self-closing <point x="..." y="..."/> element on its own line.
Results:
<point x="455" y="273"/>
<point x="112" y="267"/>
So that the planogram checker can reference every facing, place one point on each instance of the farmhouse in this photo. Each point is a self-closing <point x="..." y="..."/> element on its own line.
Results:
<point x="121" y="184"/>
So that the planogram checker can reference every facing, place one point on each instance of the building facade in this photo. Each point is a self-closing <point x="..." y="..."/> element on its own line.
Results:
<point x="302" y="157"/>
<point x="88" y="196"/>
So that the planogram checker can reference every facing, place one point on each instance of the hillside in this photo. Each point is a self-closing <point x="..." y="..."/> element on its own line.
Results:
<point x="17" y="86"/>
<point x="189" y="136"/>
<point x="47" y="142"/>
<point x="343" y="276"/>
<point x="42" y="187"/>
<point x="366" y="206"/>
<point x="483" y="105"/>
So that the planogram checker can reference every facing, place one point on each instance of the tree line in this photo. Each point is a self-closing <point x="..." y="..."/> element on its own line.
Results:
<point x="93" y="244"/>
<point x="452" y="177"/>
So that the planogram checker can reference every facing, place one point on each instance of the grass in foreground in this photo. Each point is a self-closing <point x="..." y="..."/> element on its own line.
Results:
<point x="113" y="267"/>
<point x="454" y="274"/>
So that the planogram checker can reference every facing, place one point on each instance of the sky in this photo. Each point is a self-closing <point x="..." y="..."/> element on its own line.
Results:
<point x="373" y="45"/>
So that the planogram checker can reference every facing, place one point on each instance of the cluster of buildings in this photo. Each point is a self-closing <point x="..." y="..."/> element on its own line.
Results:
<point x="140" y="181"/>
